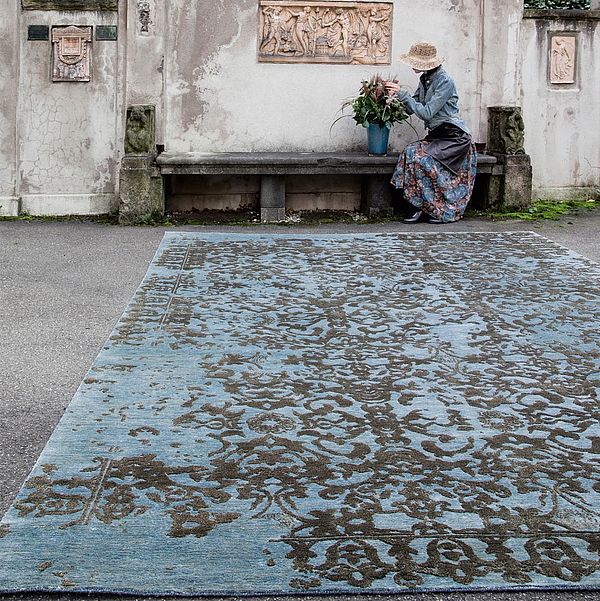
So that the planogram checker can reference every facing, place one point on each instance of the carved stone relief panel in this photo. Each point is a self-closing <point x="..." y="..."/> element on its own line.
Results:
<point x="71" y="53"/>
<point x="563" y="58"/>
<point x="325" y="32"/>
<point x="146" y="10"/>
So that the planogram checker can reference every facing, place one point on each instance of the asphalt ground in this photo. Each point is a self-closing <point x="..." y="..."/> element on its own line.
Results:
<point x="64" y="285"/>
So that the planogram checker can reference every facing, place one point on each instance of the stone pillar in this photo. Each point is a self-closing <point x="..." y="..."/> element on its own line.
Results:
<point x="141" y="191"/>
<point x="376" y="198"/>
<point x="506" y="135"/>
<point x="272" y="198"/>
<point x="141" y="195"/>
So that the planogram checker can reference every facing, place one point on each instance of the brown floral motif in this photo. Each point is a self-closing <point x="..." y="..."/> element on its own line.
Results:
<point x="554" y="557"/>
<point x="270" y="422"/>
<point x="454" y="558"/>
<point x="125" y="487"/>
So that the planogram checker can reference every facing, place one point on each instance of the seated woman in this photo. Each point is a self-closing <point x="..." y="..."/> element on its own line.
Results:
<point x="436" y="174"/>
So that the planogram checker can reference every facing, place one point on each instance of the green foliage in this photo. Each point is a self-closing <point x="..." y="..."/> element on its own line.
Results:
<point x="553" y="4"/>
<point x="545" y="209"/>
<point x="373" y="105"/>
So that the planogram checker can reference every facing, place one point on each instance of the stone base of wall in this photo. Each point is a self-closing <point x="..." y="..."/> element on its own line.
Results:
<point x="68" y="204"/>
<point x="564" y="193"/>
<point x="9" y="206"/>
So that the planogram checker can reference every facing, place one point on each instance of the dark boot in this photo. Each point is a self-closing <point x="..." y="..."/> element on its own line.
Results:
<point x="418" y="217"/>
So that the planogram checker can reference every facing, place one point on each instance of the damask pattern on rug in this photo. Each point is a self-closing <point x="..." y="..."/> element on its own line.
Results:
<point x="294" y="413"/>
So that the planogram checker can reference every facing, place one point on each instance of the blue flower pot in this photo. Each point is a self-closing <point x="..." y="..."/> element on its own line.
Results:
<point x="377" y="139"/>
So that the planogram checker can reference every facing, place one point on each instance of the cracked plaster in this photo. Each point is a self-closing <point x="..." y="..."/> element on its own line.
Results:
<point x="68" y="129"/>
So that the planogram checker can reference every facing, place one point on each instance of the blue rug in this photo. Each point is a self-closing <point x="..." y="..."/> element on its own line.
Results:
<point x="360" y="413"/>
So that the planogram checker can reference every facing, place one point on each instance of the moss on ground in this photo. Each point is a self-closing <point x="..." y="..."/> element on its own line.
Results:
<point x="540" y="210"/>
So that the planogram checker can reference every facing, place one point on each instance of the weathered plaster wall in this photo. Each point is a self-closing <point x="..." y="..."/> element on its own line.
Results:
<point x="561" y="121"/>
<point x="9" y="70"/>
<point x="500" y="60"/>
<point x="67" y="131"/>
<point x="219" y="98"/>
<point x="145" y="59"/>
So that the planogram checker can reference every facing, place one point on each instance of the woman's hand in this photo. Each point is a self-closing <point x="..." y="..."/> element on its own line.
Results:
<point x="391" y="87"/>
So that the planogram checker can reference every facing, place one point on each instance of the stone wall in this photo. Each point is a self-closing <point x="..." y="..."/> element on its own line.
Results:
<point x="218" y="85"/>
<point x="560" y="100"/>
<point x="67" y="130"/>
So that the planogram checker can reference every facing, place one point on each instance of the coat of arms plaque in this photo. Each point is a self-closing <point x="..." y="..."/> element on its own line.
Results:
<point x="71" y="51"/>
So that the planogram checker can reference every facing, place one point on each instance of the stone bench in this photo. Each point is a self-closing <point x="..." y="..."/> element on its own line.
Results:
<point x="376" y="193"/>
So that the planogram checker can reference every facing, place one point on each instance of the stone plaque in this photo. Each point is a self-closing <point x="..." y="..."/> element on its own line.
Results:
<point x="106" y="33"/>
<point x="71" y="53"/>
<point x="38" y="32"/>
<point x="563" y="51"/>
<point x="325" y="32"/>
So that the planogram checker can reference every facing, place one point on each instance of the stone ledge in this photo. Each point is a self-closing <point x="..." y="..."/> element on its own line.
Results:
<point x="561" y="14"/>
<point x="285" y="163"/>
<point x="100" y="5"/>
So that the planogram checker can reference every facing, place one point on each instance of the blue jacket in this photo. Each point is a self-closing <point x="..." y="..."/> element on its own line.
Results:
<point x="436" y="104"/>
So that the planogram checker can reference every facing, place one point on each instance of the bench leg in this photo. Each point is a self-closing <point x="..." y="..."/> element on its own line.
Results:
<point x="272" y="198"/>
<point x="377" y="196"/>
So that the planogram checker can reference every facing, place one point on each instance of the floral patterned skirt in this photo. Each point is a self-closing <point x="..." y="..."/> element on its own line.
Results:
<point x="430" y="186"/>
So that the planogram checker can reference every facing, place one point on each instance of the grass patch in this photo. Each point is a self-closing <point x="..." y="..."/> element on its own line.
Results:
<point x="542" y="209"/>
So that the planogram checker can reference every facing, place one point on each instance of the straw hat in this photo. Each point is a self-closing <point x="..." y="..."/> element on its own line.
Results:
<point x="422" y="56"/>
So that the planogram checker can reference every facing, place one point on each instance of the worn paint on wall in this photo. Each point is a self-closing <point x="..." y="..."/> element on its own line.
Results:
<point x="561" y="120"/>
<point x="220" y="98"/>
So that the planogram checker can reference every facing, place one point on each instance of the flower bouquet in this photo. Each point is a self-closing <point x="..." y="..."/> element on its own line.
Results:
<point x="376" y="110"/>
<point x="374" y="105"/>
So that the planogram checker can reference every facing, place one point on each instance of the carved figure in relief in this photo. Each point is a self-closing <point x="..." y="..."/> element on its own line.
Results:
<point x="337" y="33"/>
<point x="273" y="30"/>
<point x="138" y="133"/>
<point x="144" y="16"/>
<point x="375" y="33"/>
<point x="562" y="61"/>
<point x="304" y="31"/>
<point x="315" y="21"/>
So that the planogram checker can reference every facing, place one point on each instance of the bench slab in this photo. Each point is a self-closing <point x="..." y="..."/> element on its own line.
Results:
<point x="287" y="163"/>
